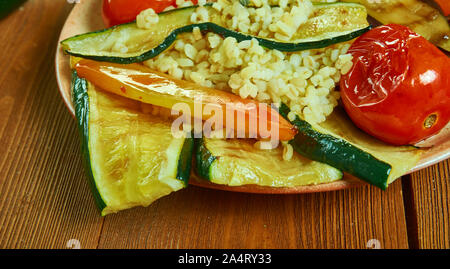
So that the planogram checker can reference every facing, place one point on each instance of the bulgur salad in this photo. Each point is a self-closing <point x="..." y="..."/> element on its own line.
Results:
<point x="266" y="93"/>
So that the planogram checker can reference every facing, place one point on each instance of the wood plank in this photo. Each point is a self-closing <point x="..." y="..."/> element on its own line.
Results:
<point x="202" y="218"/>
<point x="431" y="197"/>
<point x="45" y="200"/>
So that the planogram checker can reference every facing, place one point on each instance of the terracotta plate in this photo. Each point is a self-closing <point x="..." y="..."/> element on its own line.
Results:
<point x="86" y="17"/>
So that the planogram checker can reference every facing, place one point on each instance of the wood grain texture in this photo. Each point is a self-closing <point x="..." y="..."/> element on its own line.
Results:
<point x="202" y="218"/>
<point x="430" y="193"/>
<point x="41" y="175"/>
<point x="45" y="200"/>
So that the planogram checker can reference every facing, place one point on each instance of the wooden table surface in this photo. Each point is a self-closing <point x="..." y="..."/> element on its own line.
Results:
<point x="45" y="200"/>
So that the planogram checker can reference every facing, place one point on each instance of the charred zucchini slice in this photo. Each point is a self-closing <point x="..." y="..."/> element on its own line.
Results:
<point x="417" y="15"/>
<point x="340" y="144"/>
<point x="131" y="157"/>
<point x="236" y="162"/>
<point x="126" y="43"/>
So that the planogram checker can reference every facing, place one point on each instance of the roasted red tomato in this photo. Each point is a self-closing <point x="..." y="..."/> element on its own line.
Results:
<point x="398" y="88"/>
<point x="445" y="6"/>
<point x="123" y="11"/>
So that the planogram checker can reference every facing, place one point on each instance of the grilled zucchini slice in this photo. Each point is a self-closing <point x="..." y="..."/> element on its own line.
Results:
<point x="131" y="157"/>
<point x="417" y="15"/>
<point x="329" y="24"/>
<point x="340" y="144"/>
<point x="236" y="162"/>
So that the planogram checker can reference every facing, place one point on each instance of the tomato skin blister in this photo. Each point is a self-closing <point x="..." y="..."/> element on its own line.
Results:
<point x="444" y="5"/>
<point x="398" y="88"/>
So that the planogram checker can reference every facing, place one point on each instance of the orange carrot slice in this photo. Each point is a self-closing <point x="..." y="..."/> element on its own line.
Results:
<point x="138" y="82"/>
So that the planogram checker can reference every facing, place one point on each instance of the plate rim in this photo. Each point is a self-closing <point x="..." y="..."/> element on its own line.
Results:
<point x="347" y="182"/>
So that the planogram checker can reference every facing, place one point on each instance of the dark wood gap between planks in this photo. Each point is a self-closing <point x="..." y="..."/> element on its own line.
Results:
<point x="100" y="233"/>
<point x="412" y="226"/>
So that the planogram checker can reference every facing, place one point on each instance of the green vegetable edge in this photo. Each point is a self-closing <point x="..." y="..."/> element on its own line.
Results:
<point x="337" y="153"/>
<point x="80" y="99"/>
<point x="203" y="159"/>
<point x="209" y="26"/>
<point x="7" y="6"/>
<point x="185" y="160"/>
<point x="81" y="103"/>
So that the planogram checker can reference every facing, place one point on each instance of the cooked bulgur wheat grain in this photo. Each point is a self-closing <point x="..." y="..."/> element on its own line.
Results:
<point x="303" y="80"/>
<point x="147" y="18"/>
